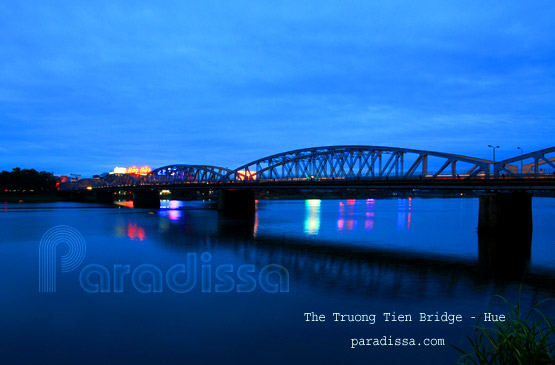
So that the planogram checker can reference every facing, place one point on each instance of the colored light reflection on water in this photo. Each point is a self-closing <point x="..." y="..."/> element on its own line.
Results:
<point x="341" y="217"/>
<point x="401" y="214"/>
<point x="256" y="219"/>
<point x="409" y="213"/>
<point x="369" y="215"/>
<point x="404" y="211"/>
<point x="434" y="266"/>
<point x="135" y="232"/>
<point x="312" y="216"/>
<point x="171" y="209"/>
<point x="346" y="220"/>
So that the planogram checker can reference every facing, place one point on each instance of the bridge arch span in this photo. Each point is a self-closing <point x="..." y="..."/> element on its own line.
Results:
<point x="359" y="162"/>
<point x="184" y="174"/>
<point x="535" y="163"/>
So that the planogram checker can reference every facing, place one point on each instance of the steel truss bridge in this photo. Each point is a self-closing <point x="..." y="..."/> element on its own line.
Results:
<point x="343" y="166"/>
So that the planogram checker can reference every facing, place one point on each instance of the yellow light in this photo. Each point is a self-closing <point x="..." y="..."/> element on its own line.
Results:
<point x="133" y="170"/>
<point x="144" y="170"/>
<point x="120" y="170"/>
<point x="246" y="175"/>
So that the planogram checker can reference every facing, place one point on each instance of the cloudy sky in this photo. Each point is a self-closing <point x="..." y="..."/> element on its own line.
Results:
<point x="86" y="86"/>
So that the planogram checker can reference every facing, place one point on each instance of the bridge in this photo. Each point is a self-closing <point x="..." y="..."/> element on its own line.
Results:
<point x="343" y="166"/>
<point x="506" y="185"/>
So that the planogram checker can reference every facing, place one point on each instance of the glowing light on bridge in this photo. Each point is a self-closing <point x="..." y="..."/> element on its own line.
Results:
<point x="246" y="175"/>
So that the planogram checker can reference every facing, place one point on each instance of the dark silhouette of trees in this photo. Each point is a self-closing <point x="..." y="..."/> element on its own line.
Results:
<point x="27" y="180"/>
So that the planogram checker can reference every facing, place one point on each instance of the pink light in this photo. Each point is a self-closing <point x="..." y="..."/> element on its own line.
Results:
<point x="135" y="232"/>
<point x="174" y="215"/>
<point x="340" y="224"/>
<point x="370" y="215"/>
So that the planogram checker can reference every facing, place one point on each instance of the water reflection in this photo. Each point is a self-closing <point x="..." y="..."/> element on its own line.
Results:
<point x="372" y="270"/>
<point x="135" y="232"/>
<point x="341" y="217"/>
<point x="173" y="215"/>
<point x="349" y="211"/>
<point x="131" y="229"/>
<point x="312" y="217"/>
<point x="351" y="223"/>
<point x="504" y="254"/>
<point x="171" y="209"/>
<point x="328" y="272"/>
<point x="404" y="211"/>
<point x="369" y="215"/>
<point x="401" y="209"/>
<point x="409" y="212"/>
<point x="347" y="216"/>
<point x="340" y="264"/>
<point x="256" y="221"/>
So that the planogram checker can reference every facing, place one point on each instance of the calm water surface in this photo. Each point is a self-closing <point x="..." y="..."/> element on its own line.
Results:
<point x="348" y="256"/>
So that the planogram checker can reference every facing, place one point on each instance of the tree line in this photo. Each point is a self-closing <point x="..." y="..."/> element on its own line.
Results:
<point x="27" y="180"/>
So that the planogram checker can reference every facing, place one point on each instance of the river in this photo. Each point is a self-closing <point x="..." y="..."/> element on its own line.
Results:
<point x="184" y="284"/>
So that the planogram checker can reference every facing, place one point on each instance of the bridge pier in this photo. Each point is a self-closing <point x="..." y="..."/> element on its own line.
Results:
<point x="504" y="212"/>
<point x="236" y="202"/>
<point x="104" y="196"/>
<point x="146" y="199"/>
<point x="505" y="233"/>
<point x="73" y="195"/>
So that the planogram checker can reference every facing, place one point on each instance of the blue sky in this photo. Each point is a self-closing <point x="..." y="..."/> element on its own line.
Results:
<point x="86" y="86"/>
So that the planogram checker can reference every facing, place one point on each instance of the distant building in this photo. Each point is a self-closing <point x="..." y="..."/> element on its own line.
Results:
<point x="542" y="166"/>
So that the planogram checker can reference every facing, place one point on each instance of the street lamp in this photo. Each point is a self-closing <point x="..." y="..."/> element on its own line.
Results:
<point x="493" y="147"/>
<point x="521" y="151"/>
